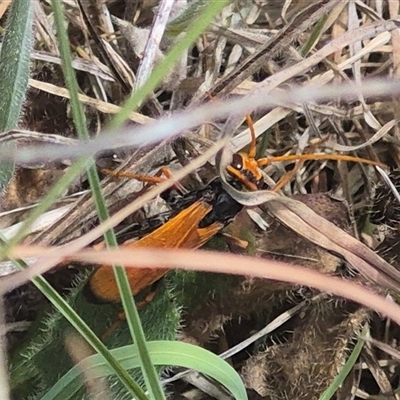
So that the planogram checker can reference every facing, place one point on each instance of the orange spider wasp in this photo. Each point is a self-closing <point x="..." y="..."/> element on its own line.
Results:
<point x="191" y="228"/>
<point x="204" y="213"/>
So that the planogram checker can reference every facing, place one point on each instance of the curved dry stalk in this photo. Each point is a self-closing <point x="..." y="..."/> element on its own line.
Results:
<point x="225" y="263"/>
<point x="171" y="126"/>
<point x="318" y="230"/>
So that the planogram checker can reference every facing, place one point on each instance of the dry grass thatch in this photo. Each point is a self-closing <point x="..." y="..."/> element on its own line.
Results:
<point x="304" y="70"/>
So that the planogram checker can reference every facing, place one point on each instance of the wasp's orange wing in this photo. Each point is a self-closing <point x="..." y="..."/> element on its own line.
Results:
<point x="182" y="231"/>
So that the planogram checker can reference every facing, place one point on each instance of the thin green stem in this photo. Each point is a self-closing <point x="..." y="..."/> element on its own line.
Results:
<point x="100" y="203"/>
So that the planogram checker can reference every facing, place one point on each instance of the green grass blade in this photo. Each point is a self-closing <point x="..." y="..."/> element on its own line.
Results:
<point x="14" y="72"/>
<point x="314" y="37"/>
<point x="339" y="379"/>
<point x="66" y="310"/>
<point x="162" y="353"/>
<point x="6" y="172"/>
<point x="184" y="19"/>
<point x="154" y="386"/>
<point x="14" y="62"/>
<point x="71" y="316"/>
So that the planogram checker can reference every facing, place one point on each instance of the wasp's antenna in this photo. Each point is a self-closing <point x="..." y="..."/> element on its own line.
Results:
<point x="253" y="143"/>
